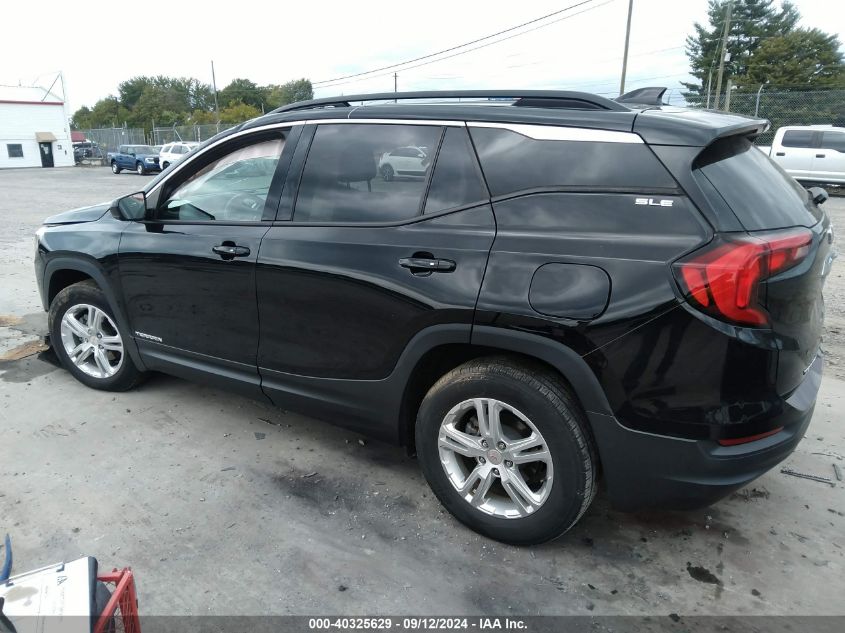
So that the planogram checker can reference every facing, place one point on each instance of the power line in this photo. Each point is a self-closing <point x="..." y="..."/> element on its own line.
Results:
<point x="434" y="61"/>
<point x="448" y="50"/>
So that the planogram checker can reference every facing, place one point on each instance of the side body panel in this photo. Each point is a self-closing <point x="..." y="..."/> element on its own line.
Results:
<point x="348" y="312"/>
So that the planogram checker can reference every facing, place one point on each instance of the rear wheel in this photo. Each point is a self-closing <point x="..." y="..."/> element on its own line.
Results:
<point x="505" y="448"/>
<point x="86" y="338"/>
<point x="114" y="168"/>
<point x="139" y="167"/>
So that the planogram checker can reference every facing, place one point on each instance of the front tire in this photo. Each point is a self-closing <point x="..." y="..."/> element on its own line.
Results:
<point x="139" y="168"/>
<point x="86" y="338"/>
<point x="506" y="449"/>
<point x="387" y="173"/>
<point x="114" y="168"/>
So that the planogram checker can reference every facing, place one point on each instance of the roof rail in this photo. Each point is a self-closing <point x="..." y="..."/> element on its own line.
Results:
<point x="644" y="96"/>
<point x="522" y="98"/>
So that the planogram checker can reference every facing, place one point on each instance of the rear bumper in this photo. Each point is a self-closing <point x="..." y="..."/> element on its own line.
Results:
<point x="644" y="470"/>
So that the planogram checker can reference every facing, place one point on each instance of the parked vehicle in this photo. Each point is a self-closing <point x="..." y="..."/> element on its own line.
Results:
<point x="173" y="152"/>
<point x="575" y="287"/>
<point x="810" y="153"/>
<point x="139" y="158"/>
<point x="403" y="161"/>
<point x="86" y="149"/>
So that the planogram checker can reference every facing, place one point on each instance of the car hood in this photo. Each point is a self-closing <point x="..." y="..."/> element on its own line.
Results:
<point x="83" y="214"/>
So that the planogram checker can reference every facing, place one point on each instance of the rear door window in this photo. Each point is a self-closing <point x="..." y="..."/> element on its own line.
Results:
<point x="798" y="138"/>
<point x="758" y="191"/>
<point x="456" y="180"/>
<point x="363" y="173"/>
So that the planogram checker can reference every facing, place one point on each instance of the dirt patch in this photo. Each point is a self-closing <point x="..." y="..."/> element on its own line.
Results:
<point x="23" y="351"/>
<point x="7" y="320"/>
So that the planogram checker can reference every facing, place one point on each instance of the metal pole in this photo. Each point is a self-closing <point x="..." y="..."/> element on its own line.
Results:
<point x="395" y="85"/>
<point x="214" y="87"/>
<point x="709" y="81"/>
<point x="757" y="104"/>
<point x="625" y="54"/>
<point x="724" y="52"/>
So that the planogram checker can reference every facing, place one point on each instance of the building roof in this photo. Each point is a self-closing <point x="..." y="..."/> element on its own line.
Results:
<point x="28" y="94"/>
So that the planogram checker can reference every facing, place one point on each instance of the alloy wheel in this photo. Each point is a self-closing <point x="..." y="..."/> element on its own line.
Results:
<point x="495" y="458"/>
<point x="91" y="340"/>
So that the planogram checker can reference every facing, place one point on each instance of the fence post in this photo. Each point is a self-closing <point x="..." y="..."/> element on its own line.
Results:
<point x="757" y="103"/>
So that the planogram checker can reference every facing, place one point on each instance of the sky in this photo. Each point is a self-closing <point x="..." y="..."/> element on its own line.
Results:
<point x="98" y="44"/>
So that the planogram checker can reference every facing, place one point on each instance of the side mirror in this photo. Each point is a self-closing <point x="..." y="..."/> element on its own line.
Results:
<point x="130" y="208"/>
<point x="818" y="194"/>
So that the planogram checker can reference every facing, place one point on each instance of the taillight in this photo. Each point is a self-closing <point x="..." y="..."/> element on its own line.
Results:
<point x="723" y="279"/>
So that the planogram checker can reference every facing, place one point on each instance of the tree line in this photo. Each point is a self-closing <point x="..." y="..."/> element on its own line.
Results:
<point x="165" y="101"/>
<point x="765" y="46"/>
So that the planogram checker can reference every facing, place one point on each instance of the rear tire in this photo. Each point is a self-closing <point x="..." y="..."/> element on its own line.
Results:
<point x="557" y="460"/>
<point x="88" y="341"/>
<point x="114" y="168"/>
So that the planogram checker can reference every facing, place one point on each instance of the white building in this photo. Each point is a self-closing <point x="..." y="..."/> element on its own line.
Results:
<point x="34" y="130"/>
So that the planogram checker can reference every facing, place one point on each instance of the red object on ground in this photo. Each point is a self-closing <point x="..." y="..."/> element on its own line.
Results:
<point x="123" y="603"/>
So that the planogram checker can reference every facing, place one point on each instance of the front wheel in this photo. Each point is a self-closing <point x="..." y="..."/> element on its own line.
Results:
<point x="505" y="448"/>
<point x="86" y="338"/>
<point x="387" y="173"/>
<point x="114" y="168"/>
<point x="139" y="167"/>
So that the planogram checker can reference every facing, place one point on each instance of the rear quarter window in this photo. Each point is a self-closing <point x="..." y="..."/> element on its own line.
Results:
<point x="512" y="162"/>
<point x="758" y="191"/>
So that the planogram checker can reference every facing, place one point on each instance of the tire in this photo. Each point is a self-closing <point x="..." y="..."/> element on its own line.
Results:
<point x="165" y="166"/>
<point x="102" y="360"/>
<point x="114" y="168"/>
<point x="387" y="172"/>
<point x="139" y="169"/>
<point x="561" y="475"/>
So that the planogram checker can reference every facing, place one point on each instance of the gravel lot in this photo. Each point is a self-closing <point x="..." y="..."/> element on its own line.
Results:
<point x="227" y="506"/>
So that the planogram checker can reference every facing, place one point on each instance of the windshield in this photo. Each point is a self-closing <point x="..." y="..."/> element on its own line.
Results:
<point x="142" y="149"/>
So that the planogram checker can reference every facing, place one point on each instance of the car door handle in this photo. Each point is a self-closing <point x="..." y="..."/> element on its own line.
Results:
<point x="780" y="153"/>
<point x="427" y="265"/>
<point x="231" y="250"/>
<point x="819" y="155"/>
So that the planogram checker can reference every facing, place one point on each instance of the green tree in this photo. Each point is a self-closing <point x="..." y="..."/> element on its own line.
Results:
<point x="753" y="22"/>
<point x="238" y="113"/>
<point x="290" y="92"/>
<point x="242" y="91"/>
<point x="108" y="112"/>
<point x="803" y="58"/>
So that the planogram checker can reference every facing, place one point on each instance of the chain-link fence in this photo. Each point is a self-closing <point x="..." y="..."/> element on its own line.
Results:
<point x="782" y="107"/>
<point x="196" y="133"/>
<point x="109" y="139"/>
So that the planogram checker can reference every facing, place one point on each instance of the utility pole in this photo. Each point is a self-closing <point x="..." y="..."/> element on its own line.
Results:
<point x="709" y="82"/>
<point x="625" y="55"/>
<point x="724" y="52"/>
<point x="729" y="86"/>
<point x="395" y="84"/>
<point x="214" y="87"/>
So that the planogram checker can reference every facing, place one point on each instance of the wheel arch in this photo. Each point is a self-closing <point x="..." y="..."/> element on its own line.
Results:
<point x="489" y="341"/>
<point x="61" y="272"/>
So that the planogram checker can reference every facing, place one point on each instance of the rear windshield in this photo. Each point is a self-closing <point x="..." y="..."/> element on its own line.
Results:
<point x="758" y="191"/>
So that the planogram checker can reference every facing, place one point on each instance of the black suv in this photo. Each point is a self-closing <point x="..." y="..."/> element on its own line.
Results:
<point x="552" y="287"/>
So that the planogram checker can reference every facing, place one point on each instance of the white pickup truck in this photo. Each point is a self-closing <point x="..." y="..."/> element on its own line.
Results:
<point x="810" y="153"/>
